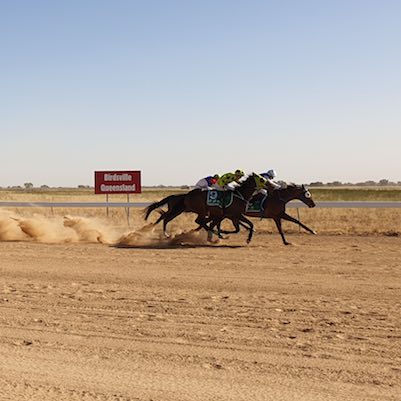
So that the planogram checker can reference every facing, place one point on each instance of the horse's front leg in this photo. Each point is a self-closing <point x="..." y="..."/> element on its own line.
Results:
<point x="202" y="222"/>
<point x="286" y="216"/>
<point x="277" y="220"/>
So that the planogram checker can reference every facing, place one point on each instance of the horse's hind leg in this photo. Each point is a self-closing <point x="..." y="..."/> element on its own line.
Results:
<point x="237" y="223"/>
<point x="161" y="217"/>
<point x="214" y="223"/>
<point x="243" y="220"/>
<point x="167" y="217"/>
<point x="200" y="226"/>
<point x="286" y="216"/>
<point x="172" y="213"/>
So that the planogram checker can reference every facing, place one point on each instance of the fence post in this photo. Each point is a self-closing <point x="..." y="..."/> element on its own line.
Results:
<point x="299" y="227"/>
<point x="127" y="209"/>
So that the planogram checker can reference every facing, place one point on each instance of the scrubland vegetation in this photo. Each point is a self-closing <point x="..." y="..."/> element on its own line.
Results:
<point x="325" y="193"/>
<point x="366" y="221"/>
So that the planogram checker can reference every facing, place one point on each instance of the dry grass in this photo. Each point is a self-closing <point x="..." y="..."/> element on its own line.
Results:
<point x="324" y="221"/>
<point x="357" y="194"/>
<point x="150" y="194"/>
<point x="83" y="195"/>
<point x="348" y="221"/>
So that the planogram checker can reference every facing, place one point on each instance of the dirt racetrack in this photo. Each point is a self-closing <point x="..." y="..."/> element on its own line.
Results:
<point x="319" y="320"/>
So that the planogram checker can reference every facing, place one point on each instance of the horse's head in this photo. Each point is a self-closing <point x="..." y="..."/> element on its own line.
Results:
<point x="301" y="193"/>
<point x="306" y="197"/>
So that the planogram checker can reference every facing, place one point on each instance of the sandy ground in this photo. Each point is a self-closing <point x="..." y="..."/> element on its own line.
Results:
<point x="319" y="320"/>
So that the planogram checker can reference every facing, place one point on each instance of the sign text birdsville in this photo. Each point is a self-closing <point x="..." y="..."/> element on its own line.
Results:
<point x="117" y="182"/>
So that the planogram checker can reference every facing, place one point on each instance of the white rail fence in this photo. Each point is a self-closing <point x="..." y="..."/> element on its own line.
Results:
<point x="293" y="204"/>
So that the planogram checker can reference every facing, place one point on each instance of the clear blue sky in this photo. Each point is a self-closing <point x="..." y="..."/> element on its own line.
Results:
<point x="183" y="89"/>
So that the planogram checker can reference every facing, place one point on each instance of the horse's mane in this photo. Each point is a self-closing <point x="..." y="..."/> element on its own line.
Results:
<point x="245" y="180"/>
<point x="291" y="185"/>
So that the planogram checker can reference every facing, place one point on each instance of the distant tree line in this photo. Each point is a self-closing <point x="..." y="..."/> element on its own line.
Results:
<point x="28" y="186"/>
<point x="370" y="183"/>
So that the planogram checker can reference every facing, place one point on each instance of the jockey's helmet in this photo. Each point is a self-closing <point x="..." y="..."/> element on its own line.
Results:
<point x="216" y="176"/>
<point x="271" y="174"/>
<point x="239" y="173"/>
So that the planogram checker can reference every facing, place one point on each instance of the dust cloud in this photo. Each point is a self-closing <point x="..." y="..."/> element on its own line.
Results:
<point x="56" y="230"/>
<point x="149" y="236"/>
<point x="9" y="229"/>
<point x="77" y="229"/>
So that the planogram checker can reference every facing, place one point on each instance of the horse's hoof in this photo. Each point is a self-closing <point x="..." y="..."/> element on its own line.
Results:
<point x="314" y="232"/>
<point x="167" y="235"/>
<point x="287" y="243"/>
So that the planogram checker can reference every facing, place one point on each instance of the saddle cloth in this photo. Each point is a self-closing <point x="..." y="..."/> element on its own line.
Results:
<point x="216" y="198"/>
<point x="256" y="205"/>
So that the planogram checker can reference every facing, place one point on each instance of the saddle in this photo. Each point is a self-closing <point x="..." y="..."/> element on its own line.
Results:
<point x="219" y="198"/>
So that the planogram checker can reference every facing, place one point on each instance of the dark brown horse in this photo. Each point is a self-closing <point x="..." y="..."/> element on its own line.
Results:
<point x="175" y="204"/>
<point x="272" y="207"/>
<point x="195" y="201"/>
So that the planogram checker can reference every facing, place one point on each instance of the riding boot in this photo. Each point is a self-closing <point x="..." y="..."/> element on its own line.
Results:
<point x="268" y="194"/>
<point x="262" y="209"/>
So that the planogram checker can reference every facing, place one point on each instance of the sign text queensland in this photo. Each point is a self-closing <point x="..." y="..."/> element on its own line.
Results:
<point x="117" y="182"/>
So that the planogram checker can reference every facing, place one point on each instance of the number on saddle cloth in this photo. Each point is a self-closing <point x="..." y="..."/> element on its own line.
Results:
<point x="216" y="198"/>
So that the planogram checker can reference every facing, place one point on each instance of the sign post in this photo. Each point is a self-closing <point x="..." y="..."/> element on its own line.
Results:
<point x="118" y="182"/>
<point x="128" y="209"/>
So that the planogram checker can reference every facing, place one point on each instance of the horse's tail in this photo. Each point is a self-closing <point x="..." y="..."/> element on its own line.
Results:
<point x="155" y="205"/>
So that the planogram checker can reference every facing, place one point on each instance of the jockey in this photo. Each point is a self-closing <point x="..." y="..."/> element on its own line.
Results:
<point x="269" y="188"/>
<point x="229" y="178"/>
<point x="270" y="184"/>
<point x="207" y="182"/>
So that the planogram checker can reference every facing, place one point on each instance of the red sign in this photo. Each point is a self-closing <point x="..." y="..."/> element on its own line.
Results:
<point x="117" y="182"/>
